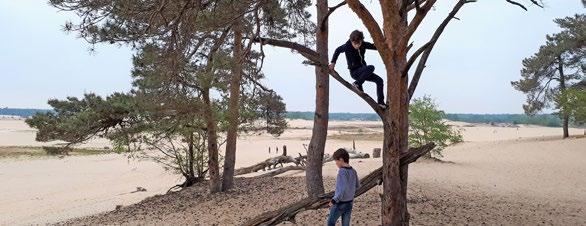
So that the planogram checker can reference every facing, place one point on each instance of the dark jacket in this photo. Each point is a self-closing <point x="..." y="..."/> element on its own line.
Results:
<point x="354" y="57"/>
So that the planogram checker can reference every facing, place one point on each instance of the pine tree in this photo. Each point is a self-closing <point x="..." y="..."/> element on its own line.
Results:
<point x="557" y="65"/>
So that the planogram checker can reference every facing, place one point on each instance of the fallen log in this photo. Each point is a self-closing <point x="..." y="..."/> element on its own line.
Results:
<point x="289" y="212"/>
<point x="352" y="153"/>
<point x="281" y="171"/>
<point x="357" y="155"/>
<point x="271" y="163"/>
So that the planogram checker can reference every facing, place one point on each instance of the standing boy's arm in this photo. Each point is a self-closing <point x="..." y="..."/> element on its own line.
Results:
<point x="340" y="181"/>
<point x="357" y="180"/>
<point x="368" y="45"/>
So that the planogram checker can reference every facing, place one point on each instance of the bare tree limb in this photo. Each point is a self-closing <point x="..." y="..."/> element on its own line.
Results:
<point x="534" y="2"/>
<point x="412" y="4"/>
<point x="517" y="4"/>
<point x="414" y="57"/>
<point x="427" y="50"/>
<point x="330" y="11"/>
<point x="313" y="59"/>
<point x="419" y="16"/>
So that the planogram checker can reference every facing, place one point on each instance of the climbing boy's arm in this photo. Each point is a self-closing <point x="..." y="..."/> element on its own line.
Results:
<point x="368" y="45"/>
<point x="339" y="50"/>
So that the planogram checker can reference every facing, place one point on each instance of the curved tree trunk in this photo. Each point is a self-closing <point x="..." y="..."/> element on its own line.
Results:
<point x="315" y="152"/>
<point x="233" y="111"/>
<point x="212" y="135"/>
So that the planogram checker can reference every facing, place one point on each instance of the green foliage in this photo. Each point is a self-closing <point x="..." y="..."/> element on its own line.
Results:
<point x="427" y="124"/>
<point x="575" y="101"/>
<point x="161" y="118"/>
<point x="184" y="54"/>
<point x="273" y="111"/>
<point x="75" y="121"/>
<point x="555" y="67"/>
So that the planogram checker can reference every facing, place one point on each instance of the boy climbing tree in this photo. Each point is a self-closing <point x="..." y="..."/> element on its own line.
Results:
<point x="354" y="49"/>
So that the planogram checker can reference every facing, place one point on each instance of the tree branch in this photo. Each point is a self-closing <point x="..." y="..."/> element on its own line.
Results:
<point x="414" y="57"/>
<point x="313" y="59"/>
<point x="419" y="16"/>
<point x="412" y="4"/>
<point x="517" y="4"/>
<point x="427" y="50"/>
<point x="522" y="6"/>
<point x="330" y="11"/>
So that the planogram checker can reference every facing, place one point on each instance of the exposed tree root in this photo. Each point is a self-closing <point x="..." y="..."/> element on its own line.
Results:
<point x="189" y="181"/>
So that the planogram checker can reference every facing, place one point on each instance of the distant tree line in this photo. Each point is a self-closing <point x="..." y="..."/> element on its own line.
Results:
<point x="22" y="112"/>
<point x="549" y="120"/>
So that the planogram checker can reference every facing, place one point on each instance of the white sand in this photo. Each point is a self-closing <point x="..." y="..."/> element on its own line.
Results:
<point x="526" y="162"/>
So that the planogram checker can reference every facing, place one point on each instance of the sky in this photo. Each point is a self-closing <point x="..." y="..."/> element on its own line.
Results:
<point x="469" y="70"/>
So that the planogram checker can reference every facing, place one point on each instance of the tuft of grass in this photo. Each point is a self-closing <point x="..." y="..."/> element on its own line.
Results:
<point x="357" y="136"/>
<point x="31" y="151"/>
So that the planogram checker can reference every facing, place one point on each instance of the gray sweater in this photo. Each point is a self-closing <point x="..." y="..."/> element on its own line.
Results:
<point x="346" y="184"/>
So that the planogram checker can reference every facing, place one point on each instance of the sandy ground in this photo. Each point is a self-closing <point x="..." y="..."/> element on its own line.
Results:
<point x="510" y="175"/>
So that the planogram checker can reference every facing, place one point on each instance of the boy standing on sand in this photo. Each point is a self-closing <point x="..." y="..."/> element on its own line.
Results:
<point x="354" y="50"/>
<point x="346" y="184"/>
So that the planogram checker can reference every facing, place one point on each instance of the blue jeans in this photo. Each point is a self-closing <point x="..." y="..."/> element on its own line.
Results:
<point x="366" y="73"/>
<point x="340" y="209"/>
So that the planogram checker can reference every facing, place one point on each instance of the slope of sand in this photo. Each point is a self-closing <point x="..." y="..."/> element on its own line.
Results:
<point x="487" y="189"/>
<point x="525" y="173"/>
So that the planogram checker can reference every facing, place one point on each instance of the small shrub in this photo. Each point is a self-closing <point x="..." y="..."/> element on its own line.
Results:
<point x="56" y="150"/>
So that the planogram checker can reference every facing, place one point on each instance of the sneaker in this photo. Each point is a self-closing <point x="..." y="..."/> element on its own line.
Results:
<point x="383" y="106"/>
<point x="358" y="87"/>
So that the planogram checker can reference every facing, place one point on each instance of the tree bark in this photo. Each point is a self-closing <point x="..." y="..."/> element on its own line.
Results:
<point x="396" y="126"/>
<point x="315" y="152"/>
<point x="233" y="111"/>
<point x="212" y="137"/>
<point x="564" y="112"/>
<point x="191" y="157"/>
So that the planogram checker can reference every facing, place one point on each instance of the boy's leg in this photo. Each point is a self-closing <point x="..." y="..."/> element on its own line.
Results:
<point x="379" y="87"/>
<point x="362" y="73"/>
<point x="334" y="215"/>
<point x="346" y="214"/>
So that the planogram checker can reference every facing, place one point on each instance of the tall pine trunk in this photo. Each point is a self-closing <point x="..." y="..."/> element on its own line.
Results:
<point x="212" y="138"/>
<point x="394" y="199"/>
<point x="315" y="152"/>
<point x="395" y="121"/>
<point x="564" y="112"/>
<point x="233" y="111"/>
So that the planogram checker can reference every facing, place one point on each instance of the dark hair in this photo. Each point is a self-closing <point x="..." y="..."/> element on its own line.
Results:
<point x="356" y="36"/>
<point x="341" y="154"/>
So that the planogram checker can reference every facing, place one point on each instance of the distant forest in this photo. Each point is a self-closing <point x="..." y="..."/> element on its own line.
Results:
<point x="542" y="119"/>
<point x="22" y="112"/>
<point x="549" y="120"/>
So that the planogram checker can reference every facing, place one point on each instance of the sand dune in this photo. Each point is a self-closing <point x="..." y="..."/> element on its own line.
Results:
<point x="496" y="167"/>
